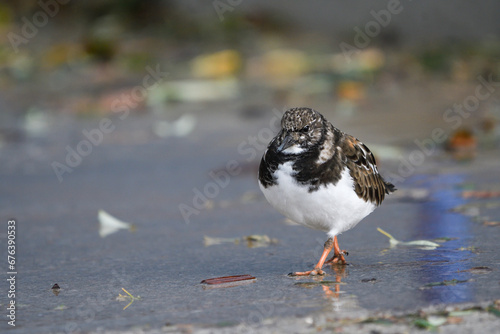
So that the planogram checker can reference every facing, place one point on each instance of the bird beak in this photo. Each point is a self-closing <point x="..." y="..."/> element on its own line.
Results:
<point x="286" y="143"/>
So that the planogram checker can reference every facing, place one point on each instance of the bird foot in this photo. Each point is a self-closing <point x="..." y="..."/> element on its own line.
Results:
<point x="338" y="258"/>
<point x="314" y="272"/>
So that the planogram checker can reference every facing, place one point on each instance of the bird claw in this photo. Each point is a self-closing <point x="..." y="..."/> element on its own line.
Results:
<point x="338" y="258"/>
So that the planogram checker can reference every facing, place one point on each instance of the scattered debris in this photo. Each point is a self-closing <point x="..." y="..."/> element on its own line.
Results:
<point x="430" y="319"/>
<point x="478" y="211"/>
<point x="129" y="296"/>
<point x="462" y="144"/>
<point x="443" y="239"/>
<point x="380" y="321"/>
<point x="425" y="244"/>
<point x="222" y="64"/>
<point x="179" y="128"/>
<point x="36" y="122"/>
<point x="369" y="280"/>
<point x="477" y="270"/>
<point x="480" y="193"/>
<point x="431" y="323"/>
<point x="462" y="313"/>
<point x="493" y="310"/>
<point x="210" y="241"/>
<point x="465" y="208"/>
<point x="278" y="68"/>
<point x="56" y="289"/>
<point x="252" y="241"/>
<point x="256" y="240"/>
<point x="228" y="281"/>
<point x="472" y="249"/>
<point x="194" y="91"/>
<point x="351" y="90"/>
<point x="109" y="224"/>
<point x="443" y="283"/>
<point x="60" y="308"/>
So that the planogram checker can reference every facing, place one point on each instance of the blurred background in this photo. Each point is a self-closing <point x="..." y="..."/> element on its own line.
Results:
<point x="78" y="58"/>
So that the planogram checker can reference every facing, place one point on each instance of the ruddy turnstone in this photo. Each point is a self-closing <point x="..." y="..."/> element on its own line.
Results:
<point x="320" y="177"/>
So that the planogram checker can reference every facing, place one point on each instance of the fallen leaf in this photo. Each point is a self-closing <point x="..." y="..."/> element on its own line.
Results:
<point x="493" y="310"/>
<point x="109" y="224"/>
<point x="477" y="270"/>
<point x="426" y="244"/>
<point x="424" y="324"/>
<point x="380" y="321"/>
<point x="227" y="279"/>
<point x="461" y="313"/>
<point x="436" y="321"/>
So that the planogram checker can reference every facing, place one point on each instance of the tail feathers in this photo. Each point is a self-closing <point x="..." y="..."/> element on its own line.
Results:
<point x="389" y="188"/>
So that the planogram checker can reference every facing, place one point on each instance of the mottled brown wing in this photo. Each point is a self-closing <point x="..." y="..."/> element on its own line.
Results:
<point x="368" y="183"/>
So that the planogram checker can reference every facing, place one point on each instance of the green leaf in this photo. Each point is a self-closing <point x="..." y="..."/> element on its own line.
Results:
<point x="424" y="324"/>
<point x="493" y="310"/>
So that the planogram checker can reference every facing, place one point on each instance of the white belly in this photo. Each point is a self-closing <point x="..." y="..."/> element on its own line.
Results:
<point x="333" y="209"/>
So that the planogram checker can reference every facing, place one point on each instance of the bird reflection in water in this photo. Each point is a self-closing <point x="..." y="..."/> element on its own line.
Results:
<point x="326" y="283"/>
<point x="340" y="273"/>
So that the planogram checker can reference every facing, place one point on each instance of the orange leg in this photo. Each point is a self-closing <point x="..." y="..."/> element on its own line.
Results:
<point x="329" y="244"/>
<point x="338" y="255"/>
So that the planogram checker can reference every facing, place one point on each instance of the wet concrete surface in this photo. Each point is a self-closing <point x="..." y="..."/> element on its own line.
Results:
<point x="140" y="178"/>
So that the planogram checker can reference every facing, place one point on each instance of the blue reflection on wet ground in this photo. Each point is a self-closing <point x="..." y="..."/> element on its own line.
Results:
<point x="436" y="220"/>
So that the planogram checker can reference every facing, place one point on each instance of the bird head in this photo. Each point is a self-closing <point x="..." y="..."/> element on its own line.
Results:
<point x="301" y="128"/>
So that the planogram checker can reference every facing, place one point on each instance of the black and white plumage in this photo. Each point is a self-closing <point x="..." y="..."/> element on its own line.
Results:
<point x="320" y="177"/>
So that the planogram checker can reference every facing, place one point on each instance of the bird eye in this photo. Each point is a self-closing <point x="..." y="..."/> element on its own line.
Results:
<point x="305" y="129"/>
